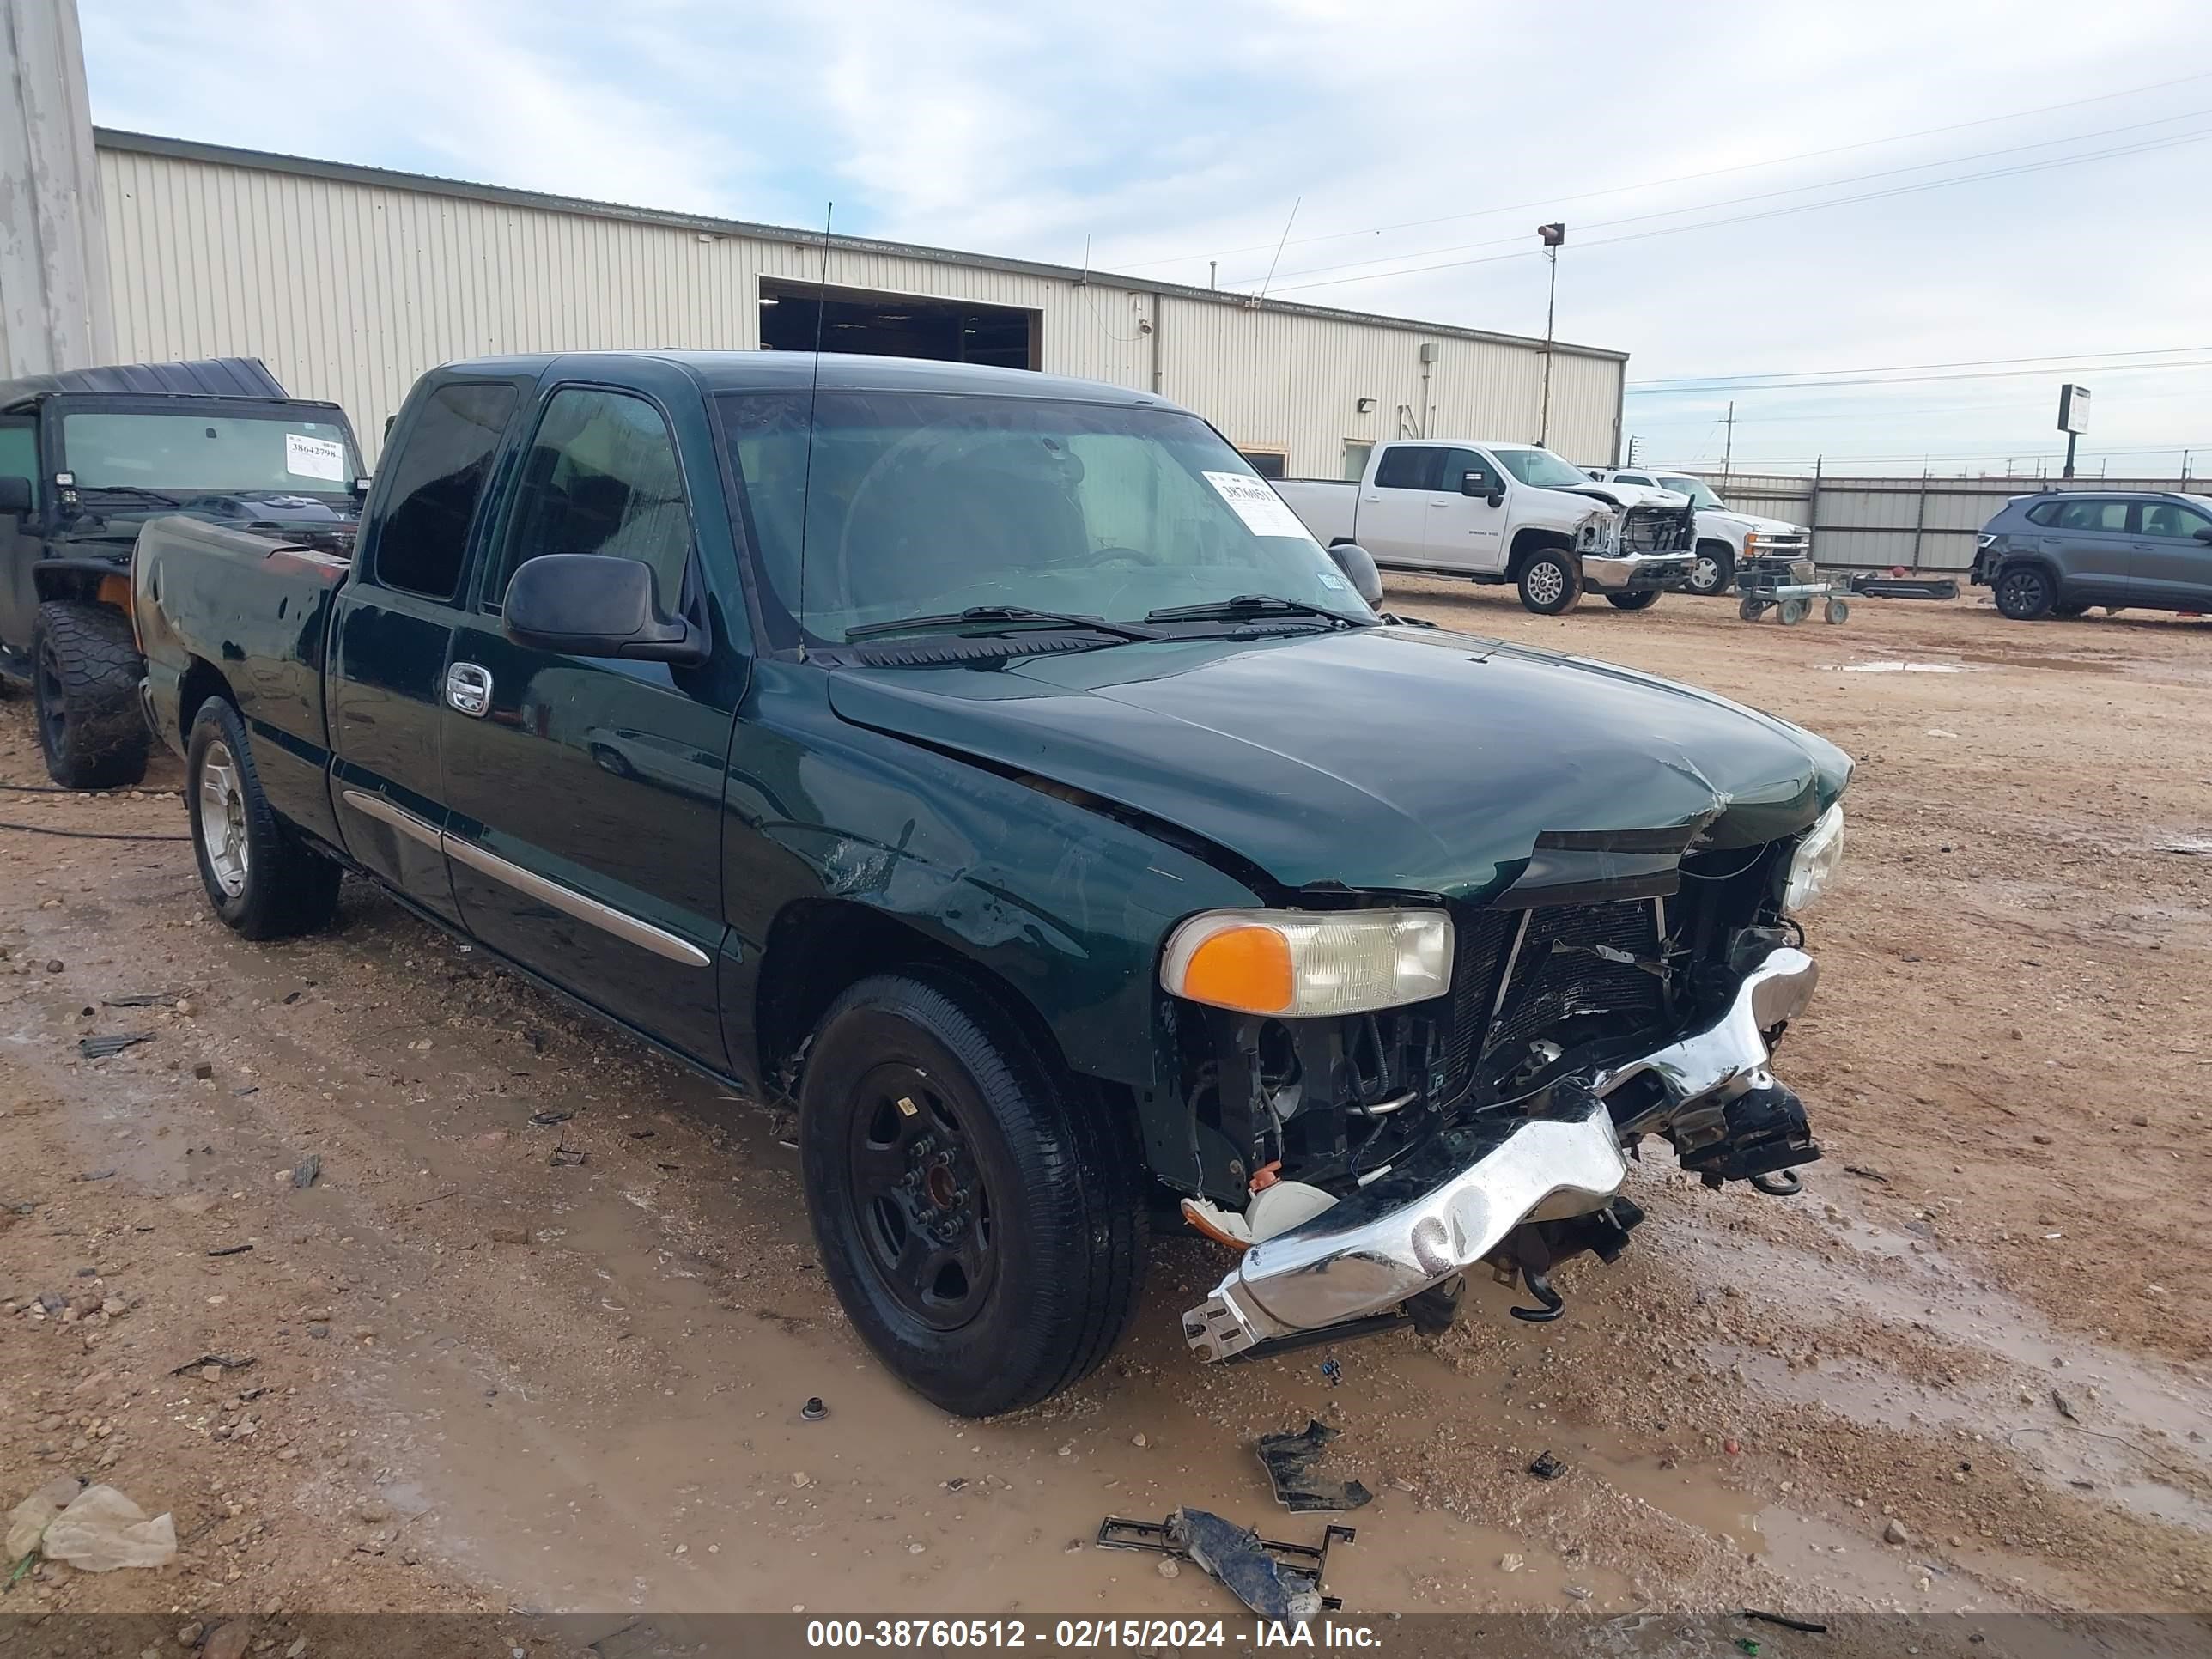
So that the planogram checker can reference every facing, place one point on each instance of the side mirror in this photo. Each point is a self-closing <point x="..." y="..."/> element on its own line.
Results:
<point x="15" y="497"/>
<point x="2203" y="535"/>
<point x="1493" y="490"/>
<point x="592" y="604"/>
<point x="1358" y="567"/>
<point x="361" y="486"/>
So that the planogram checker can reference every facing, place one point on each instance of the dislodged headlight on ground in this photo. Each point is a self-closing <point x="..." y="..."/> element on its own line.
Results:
<point x="1814" y="865"/>
<point x="1304" y="964"/>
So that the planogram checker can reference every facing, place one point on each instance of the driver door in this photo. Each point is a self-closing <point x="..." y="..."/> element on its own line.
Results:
<point x="586" y="792"/>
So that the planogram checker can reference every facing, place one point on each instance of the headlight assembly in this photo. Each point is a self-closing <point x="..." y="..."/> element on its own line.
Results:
<point x="1814" y="865"/>
<point x="1303" y="964"/>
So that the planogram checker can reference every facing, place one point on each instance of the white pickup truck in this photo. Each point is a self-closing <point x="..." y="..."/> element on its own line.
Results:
<point x="1504" y="513"/>
<point x="1726" y="537"/>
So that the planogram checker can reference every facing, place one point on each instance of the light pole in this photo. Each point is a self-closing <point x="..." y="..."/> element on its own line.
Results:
<point x="1551" y="236"/>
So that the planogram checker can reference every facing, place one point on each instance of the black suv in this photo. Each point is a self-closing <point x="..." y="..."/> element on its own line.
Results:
<point x="2057" y="554"/>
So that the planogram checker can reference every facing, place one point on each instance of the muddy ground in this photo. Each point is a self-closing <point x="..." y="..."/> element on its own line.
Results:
<point x="484" y="1379"/>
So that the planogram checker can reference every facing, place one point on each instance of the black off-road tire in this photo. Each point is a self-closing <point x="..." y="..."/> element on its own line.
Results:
<point x="1643" y="600"/>
<point x="283" y="887"/>
<point x="1057" y="1174"/>
<point x="2026" y="593"/>
<point x="1715" y="571"/>
<point x="84" y="677"/>
<point x="1551" y="583"/>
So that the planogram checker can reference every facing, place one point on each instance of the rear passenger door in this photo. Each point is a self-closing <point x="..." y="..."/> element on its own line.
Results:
<point x="586" y="792"/>
<point x="392" y="630"/>
<point x="1394" y="507"/>
<point x="2089" y="541"/>
<point x="2170" y="567"/>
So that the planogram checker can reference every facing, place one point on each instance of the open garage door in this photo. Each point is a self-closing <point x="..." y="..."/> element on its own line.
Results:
<point x="895" y="325"/>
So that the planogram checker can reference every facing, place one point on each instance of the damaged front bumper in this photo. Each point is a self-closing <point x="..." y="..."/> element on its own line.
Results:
<point x="1636" y="573"/>
<point x="1456" y="1200"/>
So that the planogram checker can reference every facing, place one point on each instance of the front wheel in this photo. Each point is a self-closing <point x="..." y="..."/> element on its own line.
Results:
<point x="262" y="880"/>
<point x="2026" y="593"/>
<point x="1642" y="601"/>
<point x="85" y="683"/>
<point x="1714" y="569"/>
<point x="1551" y="583"/>
<point x="979" y="1212"/>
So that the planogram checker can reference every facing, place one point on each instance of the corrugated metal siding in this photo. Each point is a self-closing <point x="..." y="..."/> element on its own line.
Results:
<point x="349" y="290"/>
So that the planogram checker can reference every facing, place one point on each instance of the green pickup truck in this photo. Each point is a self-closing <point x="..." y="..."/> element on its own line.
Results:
<point x="992" y="765"/>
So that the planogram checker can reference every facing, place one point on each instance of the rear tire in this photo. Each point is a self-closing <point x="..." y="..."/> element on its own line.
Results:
<point x="1642" y="601"/>
<point x="1715" y="570"/>
<point x="2026" y="593"/>
<point x="1551" y="583"/>
<point x="980" y="1212"/>
<point x="85" y="675"/>
<point x="262" y="880"/>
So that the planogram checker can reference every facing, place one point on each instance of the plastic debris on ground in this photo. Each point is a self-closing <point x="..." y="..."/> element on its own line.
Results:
<point x="1288" y="1460"/>
<point x="101" y="1530"/>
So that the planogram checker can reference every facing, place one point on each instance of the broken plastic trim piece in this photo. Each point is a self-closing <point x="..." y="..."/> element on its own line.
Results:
<point x="1275" y="1579"/>
<point x="1288" y="1460"/>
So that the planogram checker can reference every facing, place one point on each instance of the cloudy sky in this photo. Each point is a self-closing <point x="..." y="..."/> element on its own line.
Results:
<point x="1968" y="204"/>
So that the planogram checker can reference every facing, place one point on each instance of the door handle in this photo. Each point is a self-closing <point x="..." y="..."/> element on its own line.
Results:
<point x="468" y="689"/>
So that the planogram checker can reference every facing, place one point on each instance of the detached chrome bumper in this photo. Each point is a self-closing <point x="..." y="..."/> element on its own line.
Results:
<point x="1447" y="1206"/>
<point x="1435" y="1214"/>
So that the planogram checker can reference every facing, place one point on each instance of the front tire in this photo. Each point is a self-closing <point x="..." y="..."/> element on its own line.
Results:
<point x="85" y="683"/>
<point x="1714" y="569"/>
<point x="1551" y="583"/>
<point x="1642" y="601"/>
<point x="262" y="880"/>
<point x="2026" y="593"/>
<point x="979" y="1213"/>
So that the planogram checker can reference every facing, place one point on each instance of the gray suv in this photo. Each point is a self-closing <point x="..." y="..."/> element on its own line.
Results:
<point x="2057" y="554"/>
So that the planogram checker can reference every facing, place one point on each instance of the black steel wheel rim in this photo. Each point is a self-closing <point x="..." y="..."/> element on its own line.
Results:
<point x="916" y="1201"/>
<point x="53" y="714"/>
<point x="2023" y="590"/>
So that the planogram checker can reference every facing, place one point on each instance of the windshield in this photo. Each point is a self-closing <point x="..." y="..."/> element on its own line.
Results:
<point x="1542" y="469"/>
<point x="200" y="454"/>
<point x="1698" y="494"/>
<point x="916" y="504"/>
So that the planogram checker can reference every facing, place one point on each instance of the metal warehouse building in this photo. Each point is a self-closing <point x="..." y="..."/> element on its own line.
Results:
<point x="350" y="281"/>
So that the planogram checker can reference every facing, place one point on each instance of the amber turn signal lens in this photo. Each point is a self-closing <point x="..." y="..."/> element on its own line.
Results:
<point x="1247" y="968"/>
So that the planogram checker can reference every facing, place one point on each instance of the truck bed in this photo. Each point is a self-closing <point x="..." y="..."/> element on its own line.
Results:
<point x="1328" y="507"/>
<point x="248" y="610"/>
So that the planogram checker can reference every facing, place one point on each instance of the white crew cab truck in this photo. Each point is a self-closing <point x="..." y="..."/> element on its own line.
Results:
<point x="1726" y="537"/>
<point x="1502" y="513"/>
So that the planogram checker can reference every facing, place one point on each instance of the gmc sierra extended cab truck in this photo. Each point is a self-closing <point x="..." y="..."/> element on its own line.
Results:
<point x="993" y="766"/>
<point x="1502" y="513"/>
<point x="85" y="457"/>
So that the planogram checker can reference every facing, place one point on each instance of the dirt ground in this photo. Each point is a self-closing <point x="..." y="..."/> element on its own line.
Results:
<point x="1966" y="1370"/>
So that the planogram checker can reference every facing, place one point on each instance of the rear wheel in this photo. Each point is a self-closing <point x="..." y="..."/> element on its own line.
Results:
<point x="262" y="880"/>
<point x="1642" y="601"/>
<point x="1714" y="569"/>
<point x="1551" y="583"/>
<point x="85" y="683"/>
<point x="2026" y="593"/>
<point x="978" y="1211"/>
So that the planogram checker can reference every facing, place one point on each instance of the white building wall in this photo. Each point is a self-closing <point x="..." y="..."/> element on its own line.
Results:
<point x="350" y="288"/>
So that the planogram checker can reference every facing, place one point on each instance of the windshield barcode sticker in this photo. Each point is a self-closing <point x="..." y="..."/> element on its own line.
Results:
<point x="1263" y="511"/>
<point x="314" y="458"/>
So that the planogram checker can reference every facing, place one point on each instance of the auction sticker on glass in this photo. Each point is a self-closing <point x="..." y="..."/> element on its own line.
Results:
<point x="314" y="458"/>
<point x="1262" y="510"/>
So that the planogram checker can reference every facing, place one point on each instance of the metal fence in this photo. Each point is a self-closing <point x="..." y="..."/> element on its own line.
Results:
<point x="1925" y="524"/>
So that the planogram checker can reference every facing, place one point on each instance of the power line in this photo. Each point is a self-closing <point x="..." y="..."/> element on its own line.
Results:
<point x="2102" y="370"/>
<point x="1768" y="195"/>
<point x="1772" y="213"/>
<point x="2056" y="357"/>
<point x="1687" y="178"/>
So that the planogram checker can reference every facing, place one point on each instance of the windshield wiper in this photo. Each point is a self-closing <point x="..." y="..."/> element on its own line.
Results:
<point x="137" y="490"/>
<point x="1250" y="605"/>
<point x="1001" y="613"/>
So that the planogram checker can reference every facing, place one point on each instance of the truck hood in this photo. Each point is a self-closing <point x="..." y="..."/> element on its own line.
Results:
<point x="1390" y="758"/>
<point x="111" y="529"/>
<point x="1621" y="495"/>
<point x="1743" y="521"/>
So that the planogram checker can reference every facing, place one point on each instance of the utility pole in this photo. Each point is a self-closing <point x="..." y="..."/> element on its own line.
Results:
<point x="1550" y="235"/>
<point x="1728" y="451"/>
